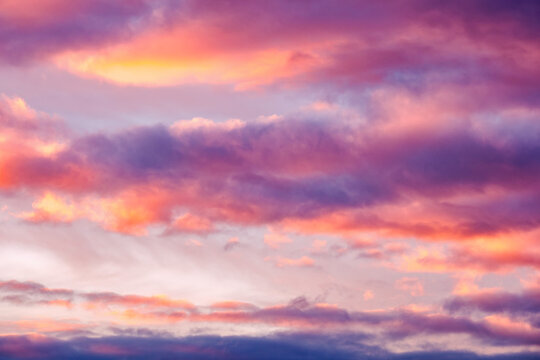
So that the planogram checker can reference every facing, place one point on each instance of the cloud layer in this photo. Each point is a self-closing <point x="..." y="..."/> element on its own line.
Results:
<point x="390" y="187"/>
<point x="313" y="173"/>
<point x="299" y="314"/>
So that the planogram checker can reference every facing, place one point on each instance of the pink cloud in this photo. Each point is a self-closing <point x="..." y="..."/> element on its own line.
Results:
<point x="189" y="223"/>
<point x="411" y="285"/>
<point x="303" y="261"/>
<point x="303" y="175"/>
<point x="275" y="239"/>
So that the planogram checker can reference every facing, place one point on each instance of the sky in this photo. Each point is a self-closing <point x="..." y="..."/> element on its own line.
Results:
<point x="286" y="179"/>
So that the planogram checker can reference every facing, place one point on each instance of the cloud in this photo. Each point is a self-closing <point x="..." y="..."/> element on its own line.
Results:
<point x="526" y="302"/>
<point x="29" y="293"/>
<point x="34" y="293"/>
<point x="303" y="261"/>
<point x="477" y="257"/>
<point x="53" y="26"/>
<point x="294" y="346"/>
<point x="360" y="43"/>
<point x="231" y="244"/>
<point x="470" y="181"/>
<point x="275" y="239"/>
<point x="299" y="313"/>
<point x="488" y="44"/>
<point x="411" y="285"/>
<point x="189" y="223"/>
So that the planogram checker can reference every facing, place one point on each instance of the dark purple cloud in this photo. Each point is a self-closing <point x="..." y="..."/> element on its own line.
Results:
<point x="293" y="346"/>
<point x="53" y="26"/>
<point x="412" y="44"/>
<point x="524" y="303"/>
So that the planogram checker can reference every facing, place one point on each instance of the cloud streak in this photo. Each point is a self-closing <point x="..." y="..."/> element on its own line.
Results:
<point x="394" y="324"/>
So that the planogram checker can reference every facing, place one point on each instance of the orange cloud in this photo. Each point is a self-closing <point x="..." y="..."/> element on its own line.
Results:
<point x="51" y="207"/>
<point x="189" y="223"/>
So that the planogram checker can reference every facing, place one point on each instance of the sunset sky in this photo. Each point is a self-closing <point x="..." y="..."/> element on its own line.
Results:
<point x="270" y="179"/>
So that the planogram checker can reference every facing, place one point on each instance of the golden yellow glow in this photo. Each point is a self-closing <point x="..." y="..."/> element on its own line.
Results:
<point x="188" y="54"/>
<point x="254" y="69"/>
<point x="51" y="207"/>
